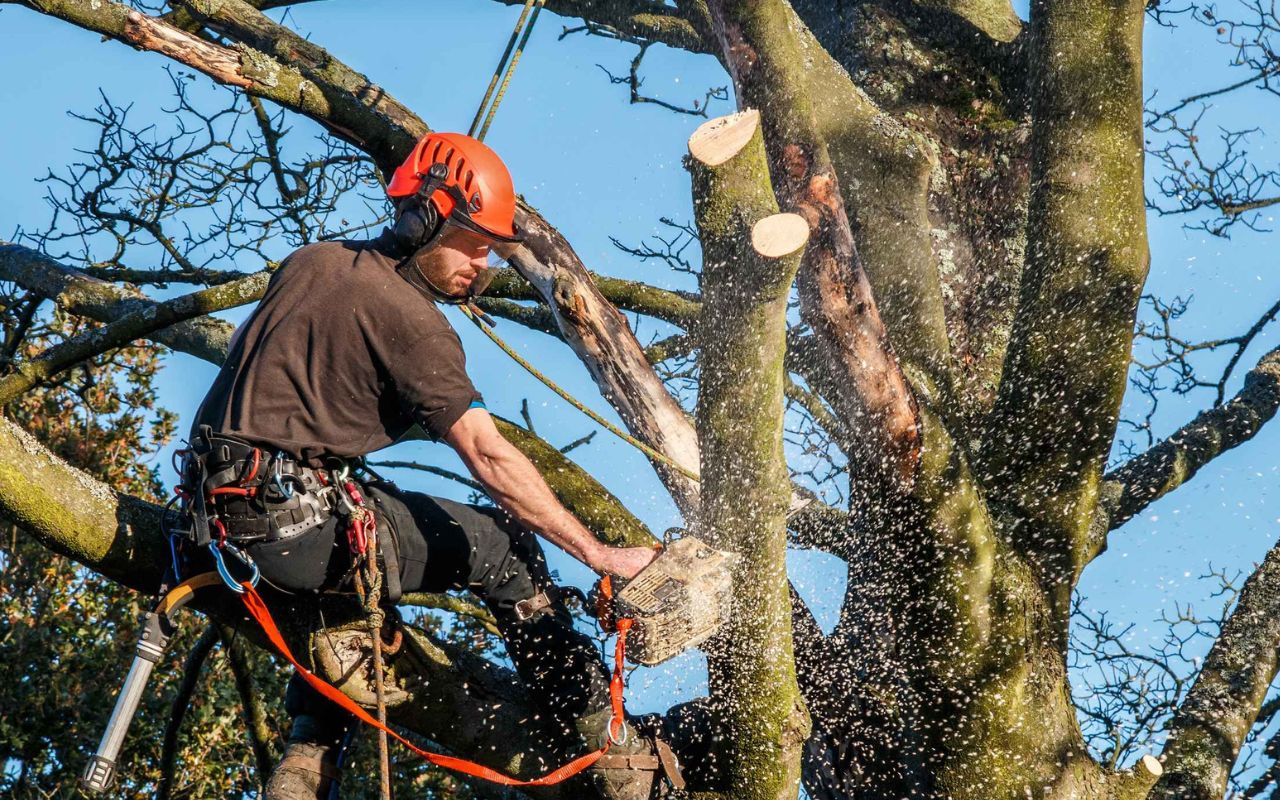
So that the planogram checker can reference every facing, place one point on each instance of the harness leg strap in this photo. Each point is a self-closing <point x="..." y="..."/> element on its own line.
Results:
<point x="389" y="553"/>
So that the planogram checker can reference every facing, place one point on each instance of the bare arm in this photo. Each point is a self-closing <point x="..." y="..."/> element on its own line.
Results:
<point x="514" y="483"/>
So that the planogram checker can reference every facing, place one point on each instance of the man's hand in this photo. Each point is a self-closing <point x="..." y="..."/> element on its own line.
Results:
<point x="624" y="562"/>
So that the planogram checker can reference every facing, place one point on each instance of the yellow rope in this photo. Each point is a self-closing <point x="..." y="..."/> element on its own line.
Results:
<point x="505" y="69"/>
<point x="623" y="435"/>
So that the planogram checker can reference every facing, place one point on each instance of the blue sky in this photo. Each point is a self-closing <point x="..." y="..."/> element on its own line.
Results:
<point x="598" y="167"/>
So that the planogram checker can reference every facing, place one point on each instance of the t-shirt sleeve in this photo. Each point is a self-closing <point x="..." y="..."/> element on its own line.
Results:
<point x="432" y="383"/>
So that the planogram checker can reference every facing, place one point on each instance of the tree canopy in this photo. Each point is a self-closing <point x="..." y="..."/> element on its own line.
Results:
<point x="919" y="262"/>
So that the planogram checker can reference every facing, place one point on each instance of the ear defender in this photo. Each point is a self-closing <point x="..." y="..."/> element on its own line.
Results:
<point x="418" y="224"/>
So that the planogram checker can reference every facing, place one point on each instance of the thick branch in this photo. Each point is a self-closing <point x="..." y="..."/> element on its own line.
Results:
<point x="635" y="19"/>
<point x="995" y="18"/>
<point x="1058" y="402"/>
<point x="677" y="308"/>
<point x="77" y="293"/>
<point x="884" y="169"/>
<point x="601" y="338"/>
<point x="750" y="256"/>
<point x="1150" y="476"/>
<point x="351" y="100"/>
<point x="760" y="45"/>
<point x="128" y="328"/>
<point x="1209" y="728"/>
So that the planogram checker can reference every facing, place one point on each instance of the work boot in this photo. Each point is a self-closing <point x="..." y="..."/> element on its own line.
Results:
<point x="308" y="771"/>
<point x="313" y="756"/>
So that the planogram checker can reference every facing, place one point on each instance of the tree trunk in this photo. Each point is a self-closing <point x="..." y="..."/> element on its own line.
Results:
<point x="750" y="256"/>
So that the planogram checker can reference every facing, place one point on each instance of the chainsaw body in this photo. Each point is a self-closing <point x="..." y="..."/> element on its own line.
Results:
<point x="676" y="602"/>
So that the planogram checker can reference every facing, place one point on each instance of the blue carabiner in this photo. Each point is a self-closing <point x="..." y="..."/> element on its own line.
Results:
<point x="275" y="477"/>
<point x="225" y="574"/>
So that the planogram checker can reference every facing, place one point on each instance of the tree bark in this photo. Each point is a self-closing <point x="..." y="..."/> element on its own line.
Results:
<point x="769" y="73"/>
<point x="1146" y="478"/>
<point x="746" y="486"/>
<point x="1068" y="358"/>
<point x="1208" y="729"/>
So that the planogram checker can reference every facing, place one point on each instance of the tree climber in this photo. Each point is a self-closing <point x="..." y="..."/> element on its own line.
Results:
<point x="339" y="359"/>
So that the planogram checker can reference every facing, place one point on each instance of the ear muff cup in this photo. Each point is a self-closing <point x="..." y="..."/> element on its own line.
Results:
<point x="415" y="226"/>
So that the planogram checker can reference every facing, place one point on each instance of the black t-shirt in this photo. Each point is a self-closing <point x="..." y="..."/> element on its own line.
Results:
<point x="341" y="357"/>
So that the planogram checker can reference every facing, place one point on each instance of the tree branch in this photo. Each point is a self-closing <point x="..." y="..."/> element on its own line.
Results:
<point x="1209" y="728"/>
<point x="637" y="19"/>
<point x="128" y="328"/>
<point x="192" y="667"/>
<point x="995" y="18"/>
<point x="1065" y="368"/>
<point x="454" y="605"/>
<point x="769" y="70"/>
<point x="77" y="293"/>
<point x="1146" y="478"/>
<point x="260" y="735"/>
<point x="751" y="254"/>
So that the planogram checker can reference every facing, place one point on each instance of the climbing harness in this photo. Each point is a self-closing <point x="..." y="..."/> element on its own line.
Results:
<point x="237" y="474"/>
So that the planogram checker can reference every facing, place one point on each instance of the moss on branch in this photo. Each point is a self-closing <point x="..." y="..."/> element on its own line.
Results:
<point x="641" y="19"/>
<point x="1210" y="726"/>
<point x="79" y="294"/>
<point x="771" y="72"/>
<point x="1171" y="463"/>
<point x="746" y="486"/>
<point x="128" y="328"/>
<point x="1058" y="403"/>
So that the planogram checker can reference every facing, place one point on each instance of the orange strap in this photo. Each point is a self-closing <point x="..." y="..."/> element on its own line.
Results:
<point x="258" y="610"/>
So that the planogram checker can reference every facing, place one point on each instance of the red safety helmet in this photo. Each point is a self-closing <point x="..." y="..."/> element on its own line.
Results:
<point x="476" y="189"/>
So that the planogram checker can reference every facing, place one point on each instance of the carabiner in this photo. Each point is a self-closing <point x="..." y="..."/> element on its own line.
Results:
<point x="276" y="477"/>
<point x="225" y="574"/>
<point x="626" y="735"/>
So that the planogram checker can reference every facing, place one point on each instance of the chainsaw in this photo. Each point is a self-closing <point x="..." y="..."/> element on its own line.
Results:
<point x="677" y="602"/>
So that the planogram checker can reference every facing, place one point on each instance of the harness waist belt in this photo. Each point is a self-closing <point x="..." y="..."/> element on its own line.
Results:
<point x="258" y="496"/>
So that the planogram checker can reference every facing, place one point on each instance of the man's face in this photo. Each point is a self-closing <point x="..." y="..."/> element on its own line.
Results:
<point x="454" y="260"/>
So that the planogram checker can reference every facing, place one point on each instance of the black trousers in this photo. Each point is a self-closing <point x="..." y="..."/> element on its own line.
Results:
<point x="443" y="545"/>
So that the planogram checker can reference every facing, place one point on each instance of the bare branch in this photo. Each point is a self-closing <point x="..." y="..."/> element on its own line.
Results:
<point x="192" y="668"/>
<point x="261" y="738"/>
<point x="1176" y="460"/>
<point x="454" y="605"/>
